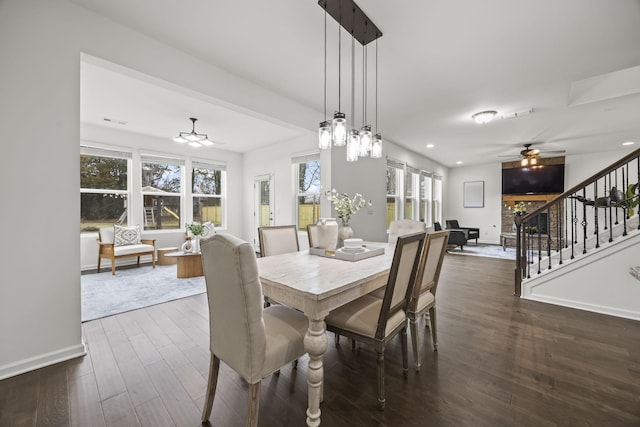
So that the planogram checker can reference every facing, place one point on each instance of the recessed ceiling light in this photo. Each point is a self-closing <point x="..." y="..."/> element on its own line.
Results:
<point x="484" y="116"/>
<point x="628" y="143"/>
<point x="430" y="145"/>
<point x="459" y="162"/>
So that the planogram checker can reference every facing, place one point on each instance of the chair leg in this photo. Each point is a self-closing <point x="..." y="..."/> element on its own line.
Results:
<point x="138" y="263"/>
<point x="380" y="362"/>
<point x="413" y="324"/>
<point x="214" y="366"/>
<point x="434" y="334"/>
<point x="113" y="266"/>
<point x="254" y="405"/>
<point x="153" y="260"/>
<point x="98" y="263"/>
<point x="405" y="356"/>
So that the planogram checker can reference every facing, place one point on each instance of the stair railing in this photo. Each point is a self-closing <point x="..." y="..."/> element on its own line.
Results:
<point x="595" y="211"/>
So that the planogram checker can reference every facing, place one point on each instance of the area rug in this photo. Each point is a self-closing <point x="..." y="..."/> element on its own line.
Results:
<point x="485" y="250"/>
<point x="104" y="294"/>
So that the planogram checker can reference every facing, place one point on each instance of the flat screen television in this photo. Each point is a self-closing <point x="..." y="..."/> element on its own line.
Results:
<point x="547" y="179"/>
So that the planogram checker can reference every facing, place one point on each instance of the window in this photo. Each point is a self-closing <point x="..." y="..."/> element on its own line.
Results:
<point x="426" y="198"/>
<point x="208" y="183"/>
<point x="437" y="199"/>
<point x="104" y="194"/>
<point x="395" y="172"/>
<point x="412" y="195"/>
<point x="161" y="192"/>
<point x="307" y="179"/>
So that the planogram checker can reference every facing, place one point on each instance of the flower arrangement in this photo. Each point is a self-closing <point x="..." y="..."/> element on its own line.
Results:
<point x="519" y="208"/>
<point x="345" y="205"/>
<point x="196" y="228"/>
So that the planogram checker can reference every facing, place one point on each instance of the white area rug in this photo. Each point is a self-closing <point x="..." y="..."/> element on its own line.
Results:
<point x="485" y="250"/>
<point x="104" y="294"/>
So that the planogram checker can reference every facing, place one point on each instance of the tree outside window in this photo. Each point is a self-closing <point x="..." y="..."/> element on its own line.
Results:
<point x="309" y="190"/>
<point x="208" y="195"/>
<point x="161" y="193"/>
<point x="103" y="190"/>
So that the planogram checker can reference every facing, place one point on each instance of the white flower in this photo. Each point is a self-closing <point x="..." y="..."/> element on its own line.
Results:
<point x="345" y="205"/>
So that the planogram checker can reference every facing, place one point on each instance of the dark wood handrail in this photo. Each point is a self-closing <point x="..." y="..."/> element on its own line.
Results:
<point x="623" y="161"/>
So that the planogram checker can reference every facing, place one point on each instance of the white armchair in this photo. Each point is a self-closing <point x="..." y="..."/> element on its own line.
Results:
<point x="123" y="242"/>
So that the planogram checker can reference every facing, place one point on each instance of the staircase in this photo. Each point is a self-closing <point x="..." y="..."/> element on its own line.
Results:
<point x="587" y="256"/>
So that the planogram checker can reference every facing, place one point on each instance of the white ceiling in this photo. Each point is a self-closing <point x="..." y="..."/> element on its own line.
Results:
<point x="439" y="62"/>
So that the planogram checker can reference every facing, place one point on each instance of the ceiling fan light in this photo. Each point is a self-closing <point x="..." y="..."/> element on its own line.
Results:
<point x="524" y="162"/>
<point x="533" y="161"/>
<point x="484" y="116"/>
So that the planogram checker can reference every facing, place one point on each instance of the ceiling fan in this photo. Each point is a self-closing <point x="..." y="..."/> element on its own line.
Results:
<point x="529" y="156"/>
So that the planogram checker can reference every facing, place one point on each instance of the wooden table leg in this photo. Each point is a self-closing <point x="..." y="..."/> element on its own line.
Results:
<point x="315" y="343"/>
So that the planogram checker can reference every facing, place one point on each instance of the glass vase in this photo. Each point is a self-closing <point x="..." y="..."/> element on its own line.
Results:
<point x="345" y="232"/>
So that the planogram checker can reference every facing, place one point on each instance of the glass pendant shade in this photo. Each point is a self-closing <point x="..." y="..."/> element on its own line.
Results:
<point x="324" y="135"/>
<point x="207" y="142"/>
<point x="376" y="146"/>
<point x="353" y="145"/>
<point x="339" y="129"/>
<point x="195" y="144"/>
<point x="365" y="141"/>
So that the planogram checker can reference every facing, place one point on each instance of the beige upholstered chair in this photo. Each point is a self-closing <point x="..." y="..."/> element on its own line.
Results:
<point x="400" y="227"/>
<point x="312" y="234"/>
<point x="253" y="341"/>
<point x="123" y="242"/>
<point x="375" y="321"/>
<point x="279" y="239"/>
<point x="424" y="293"/>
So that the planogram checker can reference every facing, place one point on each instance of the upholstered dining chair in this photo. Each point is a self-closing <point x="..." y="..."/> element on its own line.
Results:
<point x="253" y="341"/>
<point x="312" y="235"/>
<point x="376" y="321"/>
<point x="278" y="239"/>
<point x="423" y="299"/>
<point x="400" y="227"/>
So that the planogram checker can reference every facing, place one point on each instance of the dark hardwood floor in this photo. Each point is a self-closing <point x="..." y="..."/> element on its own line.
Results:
<point x="501" y="361"/>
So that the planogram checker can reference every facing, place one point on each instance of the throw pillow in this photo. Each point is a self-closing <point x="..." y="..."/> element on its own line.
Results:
<point x="209" y="229"/>
<point x="123" y="236"/>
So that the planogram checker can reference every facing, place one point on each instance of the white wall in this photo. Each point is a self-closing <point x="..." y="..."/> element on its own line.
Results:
<point x="488" y="218"/>
<point x="41" y="44"/>
<point x="274" y="160"/>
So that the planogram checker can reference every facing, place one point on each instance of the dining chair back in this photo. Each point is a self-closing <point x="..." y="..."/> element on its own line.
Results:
<point x="400" y="227"/>
<point x="279" y="239"/>
<point x="424" y="292"/>
<point x="253" y="341"/>
<point x="375" y="321"/>
<point x="312" y="234"/>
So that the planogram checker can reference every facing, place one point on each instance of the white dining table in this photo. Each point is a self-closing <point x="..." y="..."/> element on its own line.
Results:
<point x="316" y="285"/>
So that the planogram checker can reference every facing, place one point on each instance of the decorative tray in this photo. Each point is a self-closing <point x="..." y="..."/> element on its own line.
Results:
<point x="348" y="255"/>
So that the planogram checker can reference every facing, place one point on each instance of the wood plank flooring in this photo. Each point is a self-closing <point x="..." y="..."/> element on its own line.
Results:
<point x="501" y="361"/>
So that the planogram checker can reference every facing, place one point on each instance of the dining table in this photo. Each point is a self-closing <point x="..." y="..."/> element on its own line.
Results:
<point x="315" y="285"/>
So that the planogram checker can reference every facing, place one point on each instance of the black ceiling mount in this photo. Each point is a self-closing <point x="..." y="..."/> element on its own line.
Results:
<point x="353" y="19"/>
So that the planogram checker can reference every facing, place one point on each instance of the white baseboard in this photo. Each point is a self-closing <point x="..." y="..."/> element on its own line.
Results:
<point x="40" y="361"/>
<point x="611" y="311"/>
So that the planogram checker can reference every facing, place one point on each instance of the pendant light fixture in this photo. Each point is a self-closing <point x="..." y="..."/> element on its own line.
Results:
<point x="193" y="138"/>
<point x="376" y="144"/>
<point x="339" y="123"/>
<point x="324" y="131"/>
<point x="350" y="17"/>
<point x="365" y="131"/>
<point x="353" y="140"/>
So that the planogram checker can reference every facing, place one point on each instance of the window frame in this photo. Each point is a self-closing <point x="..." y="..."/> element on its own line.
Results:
<point x="296" y="161"/>
<point x="86" y="150"/>
<point x="169" y="160"/>
<point x="214" y="166"/>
